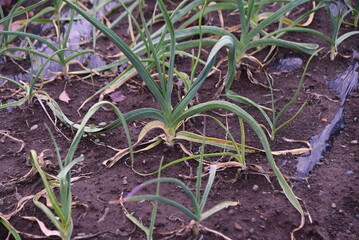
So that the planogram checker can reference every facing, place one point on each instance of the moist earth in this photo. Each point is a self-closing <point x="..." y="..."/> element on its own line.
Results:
<point x="329" y="195"/>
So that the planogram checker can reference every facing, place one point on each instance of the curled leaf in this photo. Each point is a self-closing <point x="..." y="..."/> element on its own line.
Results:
<point x="43" y="228"/>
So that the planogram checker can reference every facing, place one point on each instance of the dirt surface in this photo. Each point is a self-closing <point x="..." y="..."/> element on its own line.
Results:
<point x="330" y="195"/>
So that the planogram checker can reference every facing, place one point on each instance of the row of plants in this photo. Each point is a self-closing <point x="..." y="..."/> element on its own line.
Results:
<point x="151" y="56"/>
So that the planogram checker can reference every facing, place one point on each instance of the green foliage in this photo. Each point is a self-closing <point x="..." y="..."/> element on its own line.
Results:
<point x="336" y="19"/>
<point x="61" y="214"/>
<point x="15" y="11"/>
<point x="7" y="35"/>
<point x="161" y="48"/>
<point x="355" y="8"/>
<point x="9" y="227"/>
<point x="273" y="124"/>
<point x="29" y="89"/>
<point x="251" y="28"/>
<point x="253" y="34"/>
<point x="172" y="116"/>
<point x="198" y="202"/>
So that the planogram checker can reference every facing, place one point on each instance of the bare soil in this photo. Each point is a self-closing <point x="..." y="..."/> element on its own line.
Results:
<point x="330" y="195"/>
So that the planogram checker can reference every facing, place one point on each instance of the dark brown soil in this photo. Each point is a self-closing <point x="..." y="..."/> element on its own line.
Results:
<point x="330" y="195"/>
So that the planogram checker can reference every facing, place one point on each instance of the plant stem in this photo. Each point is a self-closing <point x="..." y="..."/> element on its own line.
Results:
<point x="196" y="228"/>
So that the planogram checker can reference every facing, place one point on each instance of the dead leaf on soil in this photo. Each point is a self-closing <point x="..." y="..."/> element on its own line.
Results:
<point x="184" y="230"/>
<point x="64" y="97"/>
<point x="7" y="134"/>
<point x="107" y="210"/>
<point x="85" y="206"/>
<point x="83" y="67"/>
<point x="43" y="228"/>
<point x="117" y="96"/>
<point x="43" y="163"/>
<point x="90" y="235"/>
<point x="55" y="108"/>
<point x="20" y="204"/>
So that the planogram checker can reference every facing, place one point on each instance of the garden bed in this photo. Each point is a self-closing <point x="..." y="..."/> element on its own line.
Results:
<point x="329" y="195"/>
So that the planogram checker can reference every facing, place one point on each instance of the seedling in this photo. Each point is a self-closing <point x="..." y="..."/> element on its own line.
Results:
<point x="28" y="90"/>
<point x="61" y="217"/>
<point x="198" y="202"/>
<point x="169" y="117"/>
<point x="253" y="35"/>
<point x="355" y="8"/>
<point x="7" y="35"/>
<point x="61" y="214"/>
<point x="273" y="124"/>
<point x="7" y="21"/>
<point x="336" y="21"/>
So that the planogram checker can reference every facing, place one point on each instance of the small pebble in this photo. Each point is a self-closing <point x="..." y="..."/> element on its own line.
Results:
<point x="238" y="227"/>
<point x="255" y="188"/>
<point x="124" y="181"/>
<point x="231" y="212"/>
<point x="354" y="142"/>
<point x="349" y="172"/>
<point x="355" y="119"/>
<point x="34" y="127"/>
<point x="288" y="64"/>
<point x="334" y="205"/>
<point x="253" y="219"/>
<point x="251" y="230"/>
<point x="357" y="216"/>
<point x="81" y="234"/>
